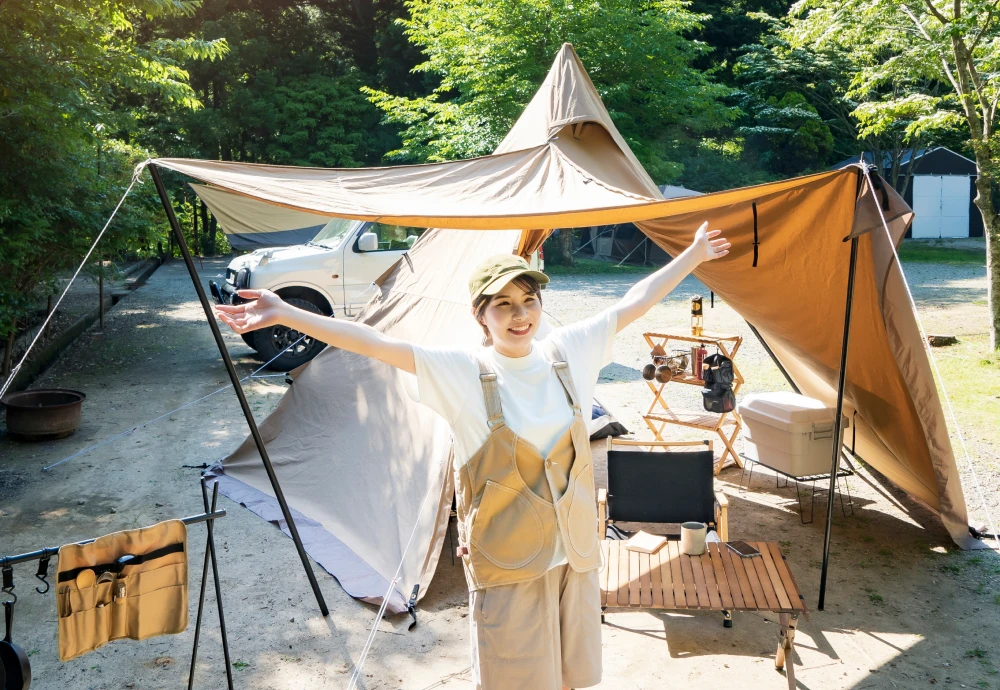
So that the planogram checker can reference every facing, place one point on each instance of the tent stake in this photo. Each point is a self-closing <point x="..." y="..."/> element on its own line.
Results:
<point x="838" y="430"/>
<point x="235" y="379"/>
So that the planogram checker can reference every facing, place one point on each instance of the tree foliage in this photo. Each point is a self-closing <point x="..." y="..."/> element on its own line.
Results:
<point x="65" y="156"/>
<point x="491" y="57"/>
<point x="934" y="65"/>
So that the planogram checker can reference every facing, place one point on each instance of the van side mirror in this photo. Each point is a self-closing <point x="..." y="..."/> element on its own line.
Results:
<point x="368" y="242"/>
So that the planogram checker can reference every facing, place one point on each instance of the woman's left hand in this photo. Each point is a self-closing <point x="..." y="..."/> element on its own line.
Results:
<point x="708" y="245"/>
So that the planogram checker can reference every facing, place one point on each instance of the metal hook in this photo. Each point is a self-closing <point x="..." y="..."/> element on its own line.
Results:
<point x="8" y="583"/>
<point x="42" y="574"/>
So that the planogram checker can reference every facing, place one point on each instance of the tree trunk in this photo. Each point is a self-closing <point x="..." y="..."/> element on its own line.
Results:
<point x="212" y="226"/>
<point x="991" y="227"/>
<point x="8" y="353"/>
<point x="194" y="218"/>
<point x="566" y="245"/>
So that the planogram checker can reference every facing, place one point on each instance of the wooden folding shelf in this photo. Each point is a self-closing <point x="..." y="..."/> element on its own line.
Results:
<point x="718" y="580"/>
<point x="727" y="425"/>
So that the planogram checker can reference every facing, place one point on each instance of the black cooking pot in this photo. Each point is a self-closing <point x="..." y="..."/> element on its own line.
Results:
<point x="16" y="669"/>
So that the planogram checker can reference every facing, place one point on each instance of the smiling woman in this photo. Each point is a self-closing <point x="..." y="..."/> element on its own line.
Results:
<point x="523" y="472"/>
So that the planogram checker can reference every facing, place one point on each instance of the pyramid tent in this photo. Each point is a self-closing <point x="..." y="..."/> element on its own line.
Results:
<point x="366" y="470"/>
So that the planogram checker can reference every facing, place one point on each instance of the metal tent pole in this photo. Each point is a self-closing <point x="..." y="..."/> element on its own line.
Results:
<point x="235" y="379"/>
<point x="838" y="430"/>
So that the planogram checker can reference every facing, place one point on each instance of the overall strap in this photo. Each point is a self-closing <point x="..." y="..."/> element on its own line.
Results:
<point x="491" y="394"/>
<point x="562" y="371"/>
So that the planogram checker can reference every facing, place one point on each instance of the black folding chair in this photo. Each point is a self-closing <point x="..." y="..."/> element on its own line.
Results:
<point x="661" y="487"/>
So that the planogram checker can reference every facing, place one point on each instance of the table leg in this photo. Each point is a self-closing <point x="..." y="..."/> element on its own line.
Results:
<point x="786" y="640"/>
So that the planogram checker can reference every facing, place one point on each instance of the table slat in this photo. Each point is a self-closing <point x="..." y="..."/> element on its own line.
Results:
<point x="613" y="573"/>
<point x="735" y="583"/>
<point x="656" y="579"/>
<point x="633" y="578"/>
<point x="765" y="582"/>
<point x="786" y="576"/>
<point x="623" y="579"/>
<point x="751" y="573"/>
<point x="772" y="573"/>
<point x="605" y="552"/>
<point x="697" y="579"/>
<point x="645" y="582"/>
<point x="713" y="587"/>
<point x="720" y="575"/>
<point x="680" y="596"/>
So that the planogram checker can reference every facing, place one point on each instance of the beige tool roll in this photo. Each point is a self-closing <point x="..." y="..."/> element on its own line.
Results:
<point x="127" y="584"/>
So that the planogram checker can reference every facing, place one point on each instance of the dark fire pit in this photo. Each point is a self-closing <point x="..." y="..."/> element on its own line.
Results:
<point x="43" y="414"/>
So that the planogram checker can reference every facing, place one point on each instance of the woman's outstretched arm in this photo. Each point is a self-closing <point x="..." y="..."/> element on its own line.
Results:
<point x="643" y="295"/>
<point x="267" y="309"/>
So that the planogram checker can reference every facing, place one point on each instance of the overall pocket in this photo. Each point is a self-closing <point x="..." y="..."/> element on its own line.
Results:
<point x="506" y="530"/>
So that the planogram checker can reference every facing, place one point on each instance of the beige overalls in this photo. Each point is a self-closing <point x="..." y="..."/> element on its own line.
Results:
<point x="532" y="626"/>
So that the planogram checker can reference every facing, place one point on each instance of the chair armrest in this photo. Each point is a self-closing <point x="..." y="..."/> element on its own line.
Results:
<point x="722" y="515"/>
<point x="602" y="513"/>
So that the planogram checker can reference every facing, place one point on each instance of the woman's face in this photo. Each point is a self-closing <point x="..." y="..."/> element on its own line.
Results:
<point x="512" y="318"/>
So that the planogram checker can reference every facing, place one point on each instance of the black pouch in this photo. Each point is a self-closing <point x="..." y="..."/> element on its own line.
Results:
<point x="718" y="399"/>
<point x="717" y="370"/>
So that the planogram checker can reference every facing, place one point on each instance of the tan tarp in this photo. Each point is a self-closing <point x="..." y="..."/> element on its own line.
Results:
<point x="253" y="224"/>
<point x="357" y="458"/>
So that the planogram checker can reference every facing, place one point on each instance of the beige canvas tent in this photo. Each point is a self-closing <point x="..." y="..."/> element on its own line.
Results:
<point x="367" y="470"/>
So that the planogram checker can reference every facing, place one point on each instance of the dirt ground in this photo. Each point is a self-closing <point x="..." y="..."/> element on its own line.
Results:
<point x="904" y="609"/>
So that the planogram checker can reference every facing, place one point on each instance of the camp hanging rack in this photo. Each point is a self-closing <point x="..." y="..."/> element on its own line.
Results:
<point x="209" y="517"/>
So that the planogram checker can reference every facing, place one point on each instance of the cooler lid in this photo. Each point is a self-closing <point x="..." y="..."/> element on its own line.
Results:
<point x="787" y="407"/>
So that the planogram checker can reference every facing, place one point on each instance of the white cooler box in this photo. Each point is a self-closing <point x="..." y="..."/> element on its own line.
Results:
<point x="789" y="432"/>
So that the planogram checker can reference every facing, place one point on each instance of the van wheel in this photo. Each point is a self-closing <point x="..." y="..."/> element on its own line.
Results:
<point x="250" y="339"/>
<point x="270" y="342"/>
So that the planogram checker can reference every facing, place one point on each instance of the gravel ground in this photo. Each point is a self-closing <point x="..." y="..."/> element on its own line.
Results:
<point x="904" y="608"/>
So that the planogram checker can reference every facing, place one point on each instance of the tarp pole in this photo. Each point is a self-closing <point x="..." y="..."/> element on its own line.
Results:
<point x="838" y="430"/>
<point x="767" y="349"/>
<point x="235" y="379"/>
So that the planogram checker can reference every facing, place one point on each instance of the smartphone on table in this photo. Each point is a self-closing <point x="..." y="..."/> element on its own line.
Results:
<point x="743" y="549"/>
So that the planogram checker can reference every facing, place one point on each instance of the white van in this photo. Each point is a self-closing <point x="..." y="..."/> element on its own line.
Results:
<point x="332" y="274"/>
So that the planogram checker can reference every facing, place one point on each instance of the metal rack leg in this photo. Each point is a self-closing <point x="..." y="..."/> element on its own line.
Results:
<point x="750" y="464"/>
<point x="197" y="625"/>
<point x="218" y="582"/>
<point x="210" y="556"/>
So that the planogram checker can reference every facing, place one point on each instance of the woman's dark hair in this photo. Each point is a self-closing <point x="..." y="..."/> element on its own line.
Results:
<point x="481" y="303"/>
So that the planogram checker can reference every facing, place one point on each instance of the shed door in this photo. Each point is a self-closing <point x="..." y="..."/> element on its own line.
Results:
<point x="941" y="204"/>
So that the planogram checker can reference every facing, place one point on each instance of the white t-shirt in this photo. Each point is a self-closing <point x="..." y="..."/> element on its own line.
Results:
<point x="533" y="401"/>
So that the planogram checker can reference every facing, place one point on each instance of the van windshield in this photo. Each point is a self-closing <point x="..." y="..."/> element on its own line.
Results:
<point x="335" y="231"/>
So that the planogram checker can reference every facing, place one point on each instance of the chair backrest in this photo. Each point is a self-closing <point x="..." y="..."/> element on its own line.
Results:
<point x="646" y="486"/>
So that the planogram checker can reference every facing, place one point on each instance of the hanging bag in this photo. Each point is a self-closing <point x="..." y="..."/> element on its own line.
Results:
<point x="128" y="584"/>
<point x="717" y="372"/>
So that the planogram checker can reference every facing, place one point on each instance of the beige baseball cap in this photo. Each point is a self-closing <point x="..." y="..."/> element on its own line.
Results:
<point x="489" y="277"/>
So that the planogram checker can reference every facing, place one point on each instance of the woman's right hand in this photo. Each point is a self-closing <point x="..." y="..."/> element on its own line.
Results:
<point x="266" y="309"/>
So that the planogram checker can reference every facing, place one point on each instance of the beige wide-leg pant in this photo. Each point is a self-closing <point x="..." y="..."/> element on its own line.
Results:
<point x="538" y="635"/>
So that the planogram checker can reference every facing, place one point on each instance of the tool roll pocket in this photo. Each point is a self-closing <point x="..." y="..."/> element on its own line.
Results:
<point x="84" y="617"/>
<point x="128" y="584"/>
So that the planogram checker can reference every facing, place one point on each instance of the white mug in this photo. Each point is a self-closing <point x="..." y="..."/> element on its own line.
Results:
<point x="693" y="538"/>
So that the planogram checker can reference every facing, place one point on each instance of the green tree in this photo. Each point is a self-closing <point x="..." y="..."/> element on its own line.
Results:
<point x="788" y="135"/>
<point x="775" y="68"/>
<point x="490" y="58"/>
<point x="65" y="158"/>
<point x="934" y="63"/>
